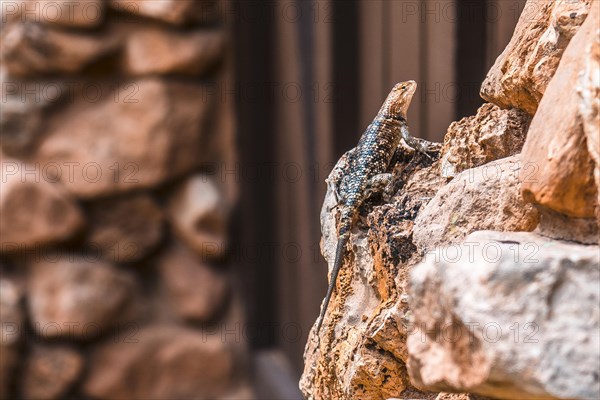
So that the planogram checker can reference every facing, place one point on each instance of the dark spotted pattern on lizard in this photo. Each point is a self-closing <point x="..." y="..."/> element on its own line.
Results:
<point x="367" y="167"/>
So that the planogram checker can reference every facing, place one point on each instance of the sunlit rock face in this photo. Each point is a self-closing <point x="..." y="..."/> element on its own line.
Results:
<point x="478" y="273"/>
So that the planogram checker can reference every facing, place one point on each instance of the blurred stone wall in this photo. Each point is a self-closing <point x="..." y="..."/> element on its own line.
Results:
<point x="114" y="278"/>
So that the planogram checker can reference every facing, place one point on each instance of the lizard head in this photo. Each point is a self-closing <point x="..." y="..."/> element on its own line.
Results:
<point x="398" y="101"/>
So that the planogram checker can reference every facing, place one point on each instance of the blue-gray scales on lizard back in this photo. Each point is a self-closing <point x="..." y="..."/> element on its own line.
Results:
<point x="367" y="166"/>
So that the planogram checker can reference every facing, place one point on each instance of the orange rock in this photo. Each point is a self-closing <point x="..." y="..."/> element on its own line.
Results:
<point x="70" y="13"/>
<point x="492" y="134"/>
<point x="31" y="49"/>
<point x="35" y="211"/>
<point x="136" y="135"/>
<point x="78" y="297"/>
<point x="521" y="73"/>
<point x="589" y="106"/>
<point x="558" y="168"/>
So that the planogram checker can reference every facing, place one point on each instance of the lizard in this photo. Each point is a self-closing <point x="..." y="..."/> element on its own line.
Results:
<point x="367" y="168"/>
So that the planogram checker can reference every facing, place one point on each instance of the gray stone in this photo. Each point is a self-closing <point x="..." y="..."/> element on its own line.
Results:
<point x="509" y="315"/>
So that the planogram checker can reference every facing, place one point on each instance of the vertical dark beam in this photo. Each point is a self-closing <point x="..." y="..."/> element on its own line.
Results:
<point x="346" y="75"/>
<point x="255" y="228"/>
<point x="471" y="42"/>
<point x="306" y="46"/>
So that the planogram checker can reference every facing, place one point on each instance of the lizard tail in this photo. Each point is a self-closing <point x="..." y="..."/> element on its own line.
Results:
<point x="339" y="257"/>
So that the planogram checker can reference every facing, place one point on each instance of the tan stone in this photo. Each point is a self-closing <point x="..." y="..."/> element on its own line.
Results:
<point x="31" y="49"/>
<point x="69" y="13"/>
<point x="510" y="315"/>
<point x="137" y="135"/>
<point x="492" y="134"/>
<point x="78" y="297"/>
<point x="35" y="212"/>
<point x="559" y="172"/>
<point x="520" y="75"/>
<point x="198" y="213"/>
<point x="50" y="371"/>
<point x="124" y="229"/>
<point x="11" y="329"/>
<point x="163" y="51"/>
<point x="176" y="12"/>
<point x="195" y="290"/>
<point x="486" y="197"/>
<point x="161" y="362"/>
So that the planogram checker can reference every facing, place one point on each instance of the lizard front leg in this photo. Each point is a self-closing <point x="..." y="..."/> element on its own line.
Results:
<point x="420" y="145"/>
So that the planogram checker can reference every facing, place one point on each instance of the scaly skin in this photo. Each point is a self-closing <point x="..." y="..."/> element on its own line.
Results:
<point x="367" y="167"/>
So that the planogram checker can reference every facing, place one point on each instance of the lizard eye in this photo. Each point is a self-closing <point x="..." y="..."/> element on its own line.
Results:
<point x="403" y="87"/>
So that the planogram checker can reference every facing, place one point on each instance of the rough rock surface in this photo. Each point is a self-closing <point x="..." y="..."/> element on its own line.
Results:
<point x="521" y="73"/>
<point x="50" y="371"/>
<point x="176" y="12"/>
<point x="486" y="197"/>
<point x="359" y="353"/>
<point x="52" y="215"/>
<point x="32" y="49"/>
<point x="561" y="174"/>
<point x="492" y="134"/>
<point x="589" y="104"/>
<point x="161" y="51"/>
<point x="78" y="297"/>
<point x="125" y="229"/>
<point x="503" y="318"/>
<point x="542" y="294"/>
<point x="196" y="291"/>
<point x="154" y="133"/>
<point x="163" y="363"/>
<point x="11" y="329"/>
<point x="559" y="226"/>
<point x="198" y="214"/>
